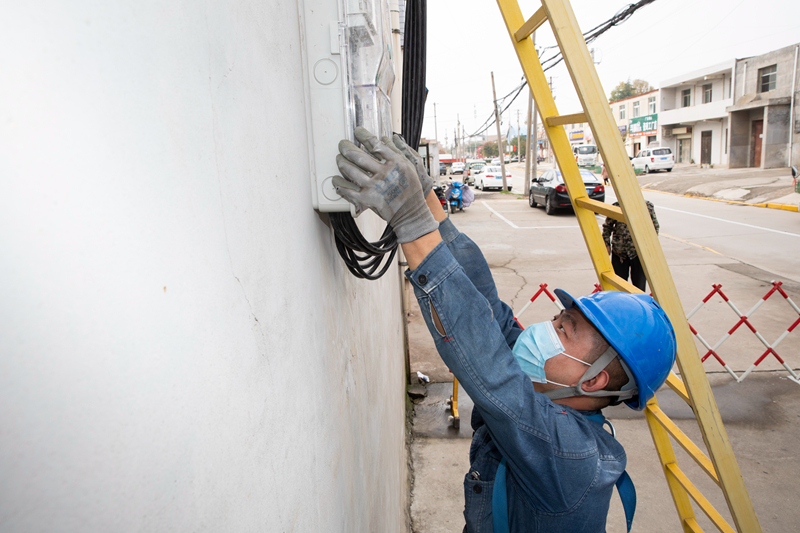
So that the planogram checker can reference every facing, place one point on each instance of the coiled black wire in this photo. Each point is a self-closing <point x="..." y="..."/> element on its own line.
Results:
<point x="362" y="258"/>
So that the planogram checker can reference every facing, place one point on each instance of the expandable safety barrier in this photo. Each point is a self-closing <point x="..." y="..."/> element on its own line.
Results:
<point x="744" y="319"/>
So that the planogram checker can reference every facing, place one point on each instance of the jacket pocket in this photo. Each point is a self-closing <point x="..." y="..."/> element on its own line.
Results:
<point x="478" y="504"/>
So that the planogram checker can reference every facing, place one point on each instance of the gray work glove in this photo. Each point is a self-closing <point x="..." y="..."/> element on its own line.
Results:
<point x="384" y="183"/>
<point x="415" y="159"/>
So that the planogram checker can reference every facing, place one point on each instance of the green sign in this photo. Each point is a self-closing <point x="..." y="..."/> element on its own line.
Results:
<point x="647" y="125"/>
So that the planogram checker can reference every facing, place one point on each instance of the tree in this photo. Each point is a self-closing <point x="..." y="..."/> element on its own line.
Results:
<point x="490" y="149"/>
<point x="641" y="86"/>
<point x="629" y="88"/>
<point x="623" y="90"/>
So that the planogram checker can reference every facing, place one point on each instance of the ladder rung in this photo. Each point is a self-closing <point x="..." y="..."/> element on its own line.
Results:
<point x="698" y="497"/>
<point x="676" y="384"/>
<point x="619" y="283"/>
<point x="531" y="25"/>
<point x="693" y="525"/>
<point x="686" y="443"/>
<point x="560" y="120"/>
<point x="601" y="208"/>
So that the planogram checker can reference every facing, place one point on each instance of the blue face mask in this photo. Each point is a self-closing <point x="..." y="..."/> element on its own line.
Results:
<point x="538" y="343"/>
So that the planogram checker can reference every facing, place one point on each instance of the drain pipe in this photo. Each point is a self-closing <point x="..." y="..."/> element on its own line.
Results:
<point x="791" y="107"/>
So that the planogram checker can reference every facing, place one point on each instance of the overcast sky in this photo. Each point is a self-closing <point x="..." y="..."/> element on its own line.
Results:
<point x="467" y="40"/>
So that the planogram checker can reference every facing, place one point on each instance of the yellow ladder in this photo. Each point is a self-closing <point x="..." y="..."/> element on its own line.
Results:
<point x="720" y="464"/>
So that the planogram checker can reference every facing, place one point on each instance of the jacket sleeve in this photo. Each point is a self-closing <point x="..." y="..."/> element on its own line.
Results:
<point x="471" y="259"/>
<point x="652" y="209"/>
<point x="608" y="229"/>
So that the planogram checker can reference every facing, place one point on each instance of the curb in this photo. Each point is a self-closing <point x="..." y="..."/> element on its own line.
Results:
<point x="768" y="205"/>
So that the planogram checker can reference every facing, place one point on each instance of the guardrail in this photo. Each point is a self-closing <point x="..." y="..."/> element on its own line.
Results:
<point x="743" y="319"/>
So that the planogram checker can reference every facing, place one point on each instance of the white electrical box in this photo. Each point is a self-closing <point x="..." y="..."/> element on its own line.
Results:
<point x="349" y="68"/>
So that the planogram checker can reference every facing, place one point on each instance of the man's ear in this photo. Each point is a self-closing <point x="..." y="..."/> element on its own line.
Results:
<point x="599" y="382"/>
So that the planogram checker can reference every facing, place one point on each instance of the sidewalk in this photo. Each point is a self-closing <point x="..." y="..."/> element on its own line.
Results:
<point x="747" y="185"/>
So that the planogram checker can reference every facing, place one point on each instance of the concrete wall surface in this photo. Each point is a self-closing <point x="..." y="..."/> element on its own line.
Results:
<point x="182" y="347"/>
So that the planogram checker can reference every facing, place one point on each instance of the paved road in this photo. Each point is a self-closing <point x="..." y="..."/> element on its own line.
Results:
<point x="766" y="238"/>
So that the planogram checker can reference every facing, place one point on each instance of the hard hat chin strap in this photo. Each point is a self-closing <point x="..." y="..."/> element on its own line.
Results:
<point x="628" y="391"/>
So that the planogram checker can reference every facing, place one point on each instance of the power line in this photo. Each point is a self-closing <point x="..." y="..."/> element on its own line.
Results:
<point x="621" y="16"/>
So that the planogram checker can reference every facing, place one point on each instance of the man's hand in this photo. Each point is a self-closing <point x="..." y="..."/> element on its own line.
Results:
<point x="385" y="183"/>
<point x="416" y="159"/>
<point x="608" y="249"/>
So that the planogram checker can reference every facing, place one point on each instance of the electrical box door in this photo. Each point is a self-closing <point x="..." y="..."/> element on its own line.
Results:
<point x="349" y="73"/>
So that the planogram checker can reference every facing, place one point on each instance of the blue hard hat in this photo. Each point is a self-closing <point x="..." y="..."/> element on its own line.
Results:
<point x="638" y="329"/>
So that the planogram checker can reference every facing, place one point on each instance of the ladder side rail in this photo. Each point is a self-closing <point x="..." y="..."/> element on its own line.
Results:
<point x="557" y="136"/>
<point x="666" y="455"/>
<point x="590" y="92"/>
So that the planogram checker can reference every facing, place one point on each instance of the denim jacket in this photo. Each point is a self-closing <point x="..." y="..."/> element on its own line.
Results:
<point x="561" y="467"/>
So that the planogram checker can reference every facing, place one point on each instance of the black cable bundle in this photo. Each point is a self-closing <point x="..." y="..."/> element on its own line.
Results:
<point x="349" y="241"/>
<point x="363" y="258"/>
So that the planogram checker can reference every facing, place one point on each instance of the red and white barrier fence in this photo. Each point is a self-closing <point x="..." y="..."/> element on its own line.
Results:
<point x="712" y="350"/>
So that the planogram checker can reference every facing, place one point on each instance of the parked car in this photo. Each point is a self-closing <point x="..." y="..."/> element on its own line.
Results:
<point x="491" y="177"/>
<point x="549" y="190"/>
<point x="472" y="168"/>
<point x="457" y="168"/>
<point x="652" y="159"/>
<point x="585" y="155"/>
<point x="495" y="161"/>
<point x="442" y="169"/>
<point x="515" y="159"/>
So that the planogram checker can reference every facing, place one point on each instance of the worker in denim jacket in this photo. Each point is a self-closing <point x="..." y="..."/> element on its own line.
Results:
<point x="540" y="458"/>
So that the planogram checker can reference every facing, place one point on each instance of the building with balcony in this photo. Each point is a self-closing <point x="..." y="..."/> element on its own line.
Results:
<point x="763" y="115"/>
<point x="694" y="120"/>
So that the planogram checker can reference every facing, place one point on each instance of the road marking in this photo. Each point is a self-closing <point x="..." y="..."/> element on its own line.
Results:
<point x="504" y="219"/>
<point x="730" y="221"/>
<point x="689" y="242"/>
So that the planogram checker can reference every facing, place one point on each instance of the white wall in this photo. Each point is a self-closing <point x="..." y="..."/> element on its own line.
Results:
<point x="182" y="348"/>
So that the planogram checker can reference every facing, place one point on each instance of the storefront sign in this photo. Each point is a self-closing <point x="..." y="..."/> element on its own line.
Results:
<point x="576" y="135"/>
<point x="641" y="126"/>
<point x="623" y="129"/>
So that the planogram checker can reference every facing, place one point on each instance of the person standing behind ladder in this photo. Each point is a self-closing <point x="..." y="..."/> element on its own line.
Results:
<point x="623" y="253"/>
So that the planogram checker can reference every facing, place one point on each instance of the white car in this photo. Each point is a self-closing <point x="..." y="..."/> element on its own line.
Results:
<point x="652" y="159"/>
<point x="457" y="168"/>
<point x="491" y="177"/>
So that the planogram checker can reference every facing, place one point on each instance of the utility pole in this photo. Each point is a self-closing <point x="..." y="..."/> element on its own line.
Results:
<point x="528" y="152"/>
<point x="499" y="137"/>
<point x="519" y="148"/>
<point x="550" y="146"/>
<point x="435" y="124"/>
<point x="526" y="187"/>
<point x="458" y="136"/>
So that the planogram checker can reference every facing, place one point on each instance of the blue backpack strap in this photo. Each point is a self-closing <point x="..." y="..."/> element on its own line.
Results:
<point x="627" y="493"/>
<point x="500" y="500"/>
<point x="625" y="488"/>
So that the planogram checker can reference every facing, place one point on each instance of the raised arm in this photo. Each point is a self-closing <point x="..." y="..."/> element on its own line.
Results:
<point x="471" y="259"/>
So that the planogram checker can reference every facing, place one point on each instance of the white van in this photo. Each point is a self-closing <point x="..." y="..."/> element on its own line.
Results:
<point x="585" y="154"/>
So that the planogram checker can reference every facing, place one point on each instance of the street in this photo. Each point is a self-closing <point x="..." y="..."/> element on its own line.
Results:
<point x="741" y="248"/>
